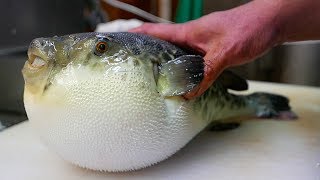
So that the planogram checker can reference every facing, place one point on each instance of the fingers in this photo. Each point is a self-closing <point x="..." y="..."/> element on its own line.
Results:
<point x="200" y="89"/>
<point x="170" y="32"/>
<point x="213" y="68"/>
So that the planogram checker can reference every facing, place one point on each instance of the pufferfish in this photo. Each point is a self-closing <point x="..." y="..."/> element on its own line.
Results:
<point x="114" y="101"/>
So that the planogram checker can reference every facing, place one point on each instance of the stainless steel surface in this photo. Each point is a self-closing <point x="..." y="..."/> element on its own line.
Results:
<point x="302" y="64"/>
<point x="292" y="64"/>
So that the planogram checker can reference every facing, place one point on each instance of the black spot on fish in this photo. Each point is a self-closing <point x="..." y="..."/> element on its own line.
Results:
<point x="136" y="63"/>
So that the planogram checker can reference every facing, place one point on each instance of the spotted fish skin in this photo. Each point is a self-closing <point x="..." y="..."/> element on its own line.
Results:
<point x="114" y="101"/>
<point x="217" y="104"/>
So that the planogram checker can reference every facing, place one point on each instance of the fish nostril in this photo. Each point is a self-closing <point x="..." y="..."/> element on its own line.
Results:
<point x="42" y="42"/>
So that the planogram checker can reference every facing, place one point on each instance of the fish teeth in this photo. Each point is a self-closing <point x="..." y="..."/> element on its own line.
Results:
<point x="38" y="62"/>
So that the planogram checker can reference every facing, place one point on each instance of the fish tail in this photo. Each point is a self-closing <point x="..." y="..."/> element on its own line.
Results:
<point x="266" y="105"/>
<point x="216" y="105"/>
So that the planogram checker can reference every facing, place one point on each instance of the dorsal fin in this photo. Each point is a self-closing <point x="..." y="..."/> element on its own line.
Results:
<point x="232" y="81"/>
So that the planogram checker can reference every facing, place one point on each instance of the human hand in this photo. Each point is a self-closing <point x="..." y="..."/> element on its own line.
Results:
<point x="225" y="38"/>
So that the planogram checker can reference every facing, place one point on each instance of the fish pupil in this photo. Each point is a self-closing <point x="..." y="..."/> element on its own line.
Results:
<point x="102" y="47"/>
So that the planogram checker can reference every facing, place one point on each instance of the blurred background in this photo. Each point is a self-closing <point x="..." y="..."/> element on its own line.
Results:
<point x="21" y="21"/>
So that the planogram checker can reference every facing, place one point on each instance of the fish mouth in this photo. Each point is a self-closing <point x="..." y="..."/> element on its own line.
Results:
<point x="35" y="71"/>
<point x="36" y="59"/>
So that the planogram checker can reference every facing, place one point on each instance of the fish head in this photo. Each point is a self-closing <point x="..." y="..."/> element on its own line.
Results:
<point x="47" y="57"/>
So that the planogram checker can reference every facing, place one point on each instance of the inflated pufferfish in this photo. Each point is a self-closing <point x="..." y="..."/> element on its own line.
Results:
<point x="114" y="101"/>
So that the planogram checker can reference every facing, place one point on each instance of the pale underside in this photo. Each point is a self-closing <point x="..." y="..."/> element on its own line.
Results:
<point x="113" y="121"/>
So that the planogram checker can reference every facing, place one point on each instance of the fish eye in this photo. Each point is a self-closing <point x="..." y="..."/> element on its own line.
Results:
<point x="101" y="47"/>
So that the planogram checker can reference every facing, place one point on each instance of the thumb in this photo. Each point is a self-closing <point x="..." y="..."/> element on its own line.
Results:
<point x="170" y="32"/>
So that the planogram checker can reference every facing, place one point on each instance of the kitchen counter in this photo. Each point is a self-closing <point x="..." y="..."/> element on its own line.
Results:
<point x="258" y="149"/>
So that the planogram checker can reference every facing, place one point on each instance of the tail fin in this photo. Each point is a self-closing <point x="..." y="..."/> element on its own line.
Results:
<point x="270" y="106"/>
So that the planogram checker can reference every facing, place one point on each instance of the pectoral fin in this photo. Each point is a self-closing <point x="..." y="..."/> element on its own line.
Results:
<point x="181" y="75"/>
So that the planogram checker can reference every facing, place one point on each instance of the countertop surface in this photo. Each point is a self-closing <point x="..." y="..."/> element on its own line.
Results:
<point x="258" y="149"/>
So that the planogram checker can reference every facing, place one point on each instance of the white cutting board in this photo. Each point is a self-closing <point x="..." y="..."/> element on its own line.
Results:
<point x="259" y="149"/>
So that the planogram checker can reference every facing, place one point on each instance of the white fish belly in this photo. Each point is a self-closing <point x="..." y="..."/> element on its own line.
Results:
<point x="111" y="121"/>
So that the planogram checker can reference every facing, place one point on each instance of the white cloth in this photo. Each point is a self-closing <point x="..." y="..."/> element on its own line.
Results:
<point x="119" y="25"/>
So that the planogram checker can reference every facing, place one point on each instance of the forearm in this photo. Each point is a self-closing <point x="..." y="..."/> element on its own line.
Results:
<point x="296" y="19"/>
